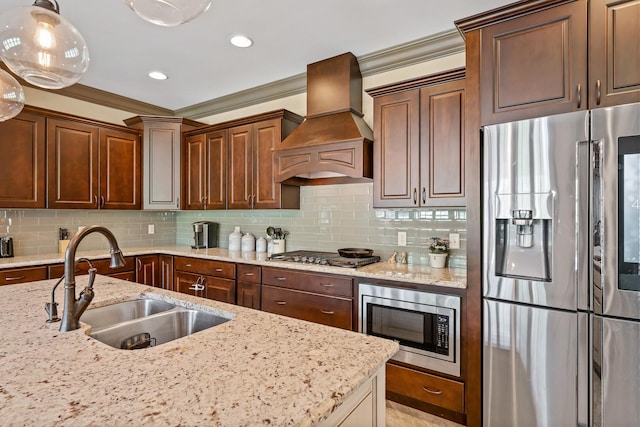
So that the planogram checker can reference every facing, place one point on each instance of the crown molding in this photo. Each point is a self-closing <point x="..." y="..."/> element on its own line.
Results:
<point x="422" y="50"/>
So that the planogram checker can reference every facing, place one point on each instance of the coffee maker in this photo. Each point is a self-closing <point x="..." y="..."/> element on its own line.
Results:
<point x="205" y="234"/>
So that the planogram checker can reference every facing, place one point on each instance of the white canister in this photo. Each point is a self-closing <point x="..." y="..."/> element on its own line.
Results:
<point x="261" y="244"/>
<point x="248" y="243"/>
<point x="235" y="240"/>
<point x="278" y="246"/>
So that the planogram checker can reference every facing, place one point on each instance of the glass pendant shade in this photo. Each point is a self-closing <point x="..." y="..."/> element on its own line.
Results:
<point x="11" y="96"/>
<point x="168" y="13"/>
<point x="42" y="47"/>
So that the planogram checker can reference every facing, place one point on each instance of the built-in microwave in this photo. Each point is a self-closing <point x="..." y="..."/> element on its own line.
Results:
<point x="426" y="325"/>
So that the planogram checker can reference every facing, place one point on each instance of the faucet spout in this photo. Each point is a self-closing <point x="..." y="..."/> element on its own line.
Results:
<point x="73" y="308"/>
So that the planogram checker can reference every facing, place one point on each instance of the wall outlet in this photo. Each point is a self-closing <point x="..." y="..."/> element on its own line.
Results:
<point x="402" y="238"/>
<point x="151" y="229"/>
<point x="454" y="240"/>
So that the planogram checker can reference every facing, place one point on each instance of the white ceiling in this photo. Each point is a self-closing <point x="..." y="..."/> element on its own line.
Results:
<point x="288" y="34"/>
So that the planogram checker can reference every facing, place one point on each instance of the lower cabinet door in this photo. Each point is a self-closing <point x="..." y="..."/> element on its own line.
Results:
<point x="316" y="308"/>
<point x="220" y="289"/>
<point x="186" y="283"/>
<point x="249" y="295"/>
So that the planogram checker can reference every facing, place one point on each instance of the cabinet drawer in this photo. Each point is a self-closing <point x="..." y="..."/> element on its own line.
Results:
<point x="22" y="275"/>
<point x="427" y="388"/>
<point x="204" y="266"/>
<point x="249" y="273"/>
<point x="102" y="265"/>
<point x="317" y="283"/>
<point x="322" y="309"/>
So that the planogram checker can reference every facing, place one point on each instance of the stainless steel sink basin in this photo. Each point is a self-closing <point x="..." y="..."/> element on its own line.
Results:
<point x="123" y="311"/>
<point x="143" y="323"/>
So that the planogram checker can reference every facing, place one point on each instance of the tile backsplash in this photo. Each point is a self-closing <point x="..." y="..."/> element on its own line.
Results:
<point x="330" y="217"/>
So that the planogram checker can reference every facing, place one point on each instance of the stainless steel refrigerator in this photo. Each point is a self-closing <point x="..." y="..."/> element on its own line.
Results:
<point x="554" y="345"/>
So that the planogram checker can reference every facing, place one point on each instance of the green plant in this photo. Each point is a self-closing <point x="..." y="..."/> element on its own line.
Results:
<point x="438" y="246"/>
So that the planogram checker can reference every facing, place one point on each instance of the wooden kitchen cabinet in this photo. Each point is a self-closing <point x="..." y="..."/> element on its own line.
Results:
<point x="204" y="278"/>
<point x="319" y="298"/>
<point x="161" y="154"/>
<point x="148" y="270"/>
<point x="419" y="142"/>
<point x="22" y="275"/>
<point x="249" y="286"/>
<point x="166" y="272"/>
<point x="22" y="144"/>
<point x="205" y="170"/>
<point x="92" y="166"/>
<point x="252" y="182"/>
<point x="535" y="64"/>
<point x="614" y="47"/>
<point x="127" y="272"/>
<point x="403" y="382"/>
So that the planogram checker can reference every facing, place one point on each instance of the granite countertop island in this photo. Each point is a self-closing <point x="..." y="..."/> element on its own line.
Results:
<point x="413" y="273"/>
<point x="256" y="369"/>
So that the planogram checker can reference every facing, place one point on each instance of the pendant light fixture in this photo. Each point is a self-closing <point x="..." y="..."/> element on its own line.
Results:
<point x="11" y="96"/>
<point x="168" y="13"/>
<point x="42" y="47"/>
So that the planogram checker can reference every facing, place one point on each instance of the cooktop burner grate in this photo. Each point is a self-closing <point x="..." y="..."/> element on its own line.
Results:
<point x="324" y="258"/>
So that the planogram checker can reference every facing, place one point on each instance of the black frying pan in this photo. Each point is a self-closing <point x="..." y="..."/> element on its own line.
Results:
<point x="355" y="252"/>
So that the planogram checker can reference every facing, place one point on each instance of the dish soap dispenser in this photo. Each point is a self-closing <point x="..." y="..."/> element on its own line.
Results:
<point x="235" y="240"/>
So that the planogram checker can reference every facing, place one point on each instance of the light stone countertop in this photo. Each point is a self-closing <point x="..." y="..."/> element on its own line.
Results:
<point x="413" y="273"/>
<point x="257" y="369"/>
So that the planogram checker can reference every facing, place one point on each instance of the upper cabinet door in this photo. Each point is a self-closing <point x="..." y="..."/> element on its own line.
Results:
<point x="22" y="144"/>
<point x="535" y="65"/>
<point x="216" y="169"/>
<point x="72" y="162"/>
<point x="266" y="192"/>
<point x="193" y="179"/>
<point x="614" y="43"/>
<point x="396" y="159"/>
<point x="240" y="167"/>
<point x="120" y="164"/>
<point x="442" y="144"/>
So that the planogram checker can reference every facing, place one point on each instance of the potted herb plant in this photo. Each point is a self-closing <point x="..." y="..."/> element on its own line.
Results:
<point x="438" y="251"/>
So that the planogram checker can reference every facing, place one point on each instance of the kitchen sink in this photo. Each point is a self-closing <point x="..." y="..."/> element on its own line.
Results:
<point x="122" y="311"/>
<point x="143" y="323"/>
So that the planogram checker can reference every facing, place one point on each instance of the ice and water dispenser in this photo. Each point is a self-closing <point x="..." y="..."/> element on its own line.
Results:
<point x="523" y="244"/>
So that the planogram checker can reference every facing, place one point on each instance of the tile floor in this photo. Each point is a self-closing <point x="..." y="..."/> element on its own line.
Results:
<point x="403" y="416"/>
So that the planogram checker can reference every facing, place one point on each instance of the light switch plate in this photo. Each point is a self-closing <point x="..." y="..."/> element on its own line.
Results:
<point x="152" y="229"/>
<point x="402" y="238"/>
<point x="454" y="240"/>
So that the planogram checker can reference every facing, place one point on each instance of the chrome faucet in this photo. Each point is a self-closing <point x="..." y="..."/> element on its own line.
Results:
<point x="73" y="308"/>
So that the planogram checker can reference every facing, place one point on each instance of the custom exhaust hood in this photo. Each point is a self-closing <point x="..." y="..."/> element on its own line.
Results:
<point x="334" y="144"/>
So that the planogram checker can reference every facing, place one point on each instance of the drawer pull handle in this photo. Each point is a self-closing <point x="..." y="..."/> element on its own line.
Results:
<point x="218" y="270"/>
<point x="248" y="274"/>
<point x="579" y="95"/>
<point x="282" y="279"/>
<point x="8" y="279"/>
<point x="281" y="302"/>
<point x="187" y="265"/>
<point x="428" y="390"/>
<point x="326" y="285"/>
<point x="327" y="312"/>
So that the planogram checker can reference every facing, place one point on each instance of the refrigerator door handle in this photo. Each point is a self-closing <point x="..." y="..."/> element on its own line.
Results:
<point x="583" y="223"/>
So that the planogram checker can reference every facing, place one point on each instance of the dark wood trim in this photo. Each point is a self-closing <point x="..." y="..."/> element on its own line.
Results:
<point x="51" y="114"/>
<point x="138" y="122"/>
<point x="473" y="186"/>
<point x="276" y="114"/>
<point x="298" y="182"/>
<point x="432" y="79"/>
<point x="504" y="13"/>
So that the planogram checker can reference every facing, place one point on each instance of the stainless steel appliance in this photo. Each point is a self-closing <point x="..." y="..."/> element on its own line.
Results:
<point x="561" y="341"/>
<point x="324" y="258"/>
<point x="426" y="325"/>
<point x="205" y="234"/>
<point x="615" y="133"/>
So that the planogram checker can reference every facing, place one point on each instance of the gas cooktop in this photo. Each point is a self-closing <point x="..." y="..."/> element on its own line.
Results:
<point x="324" y="258"/>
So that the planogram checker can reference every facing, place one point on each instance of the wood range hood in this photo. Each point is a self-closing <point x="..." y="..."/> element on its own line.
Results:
<point x="334" y="144"/>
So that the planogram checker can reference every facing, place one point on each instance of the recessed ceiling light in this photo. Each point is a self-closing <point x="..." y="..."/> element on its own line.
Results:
<point x="241" y="41"/>
<point x="158" y="75"/>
